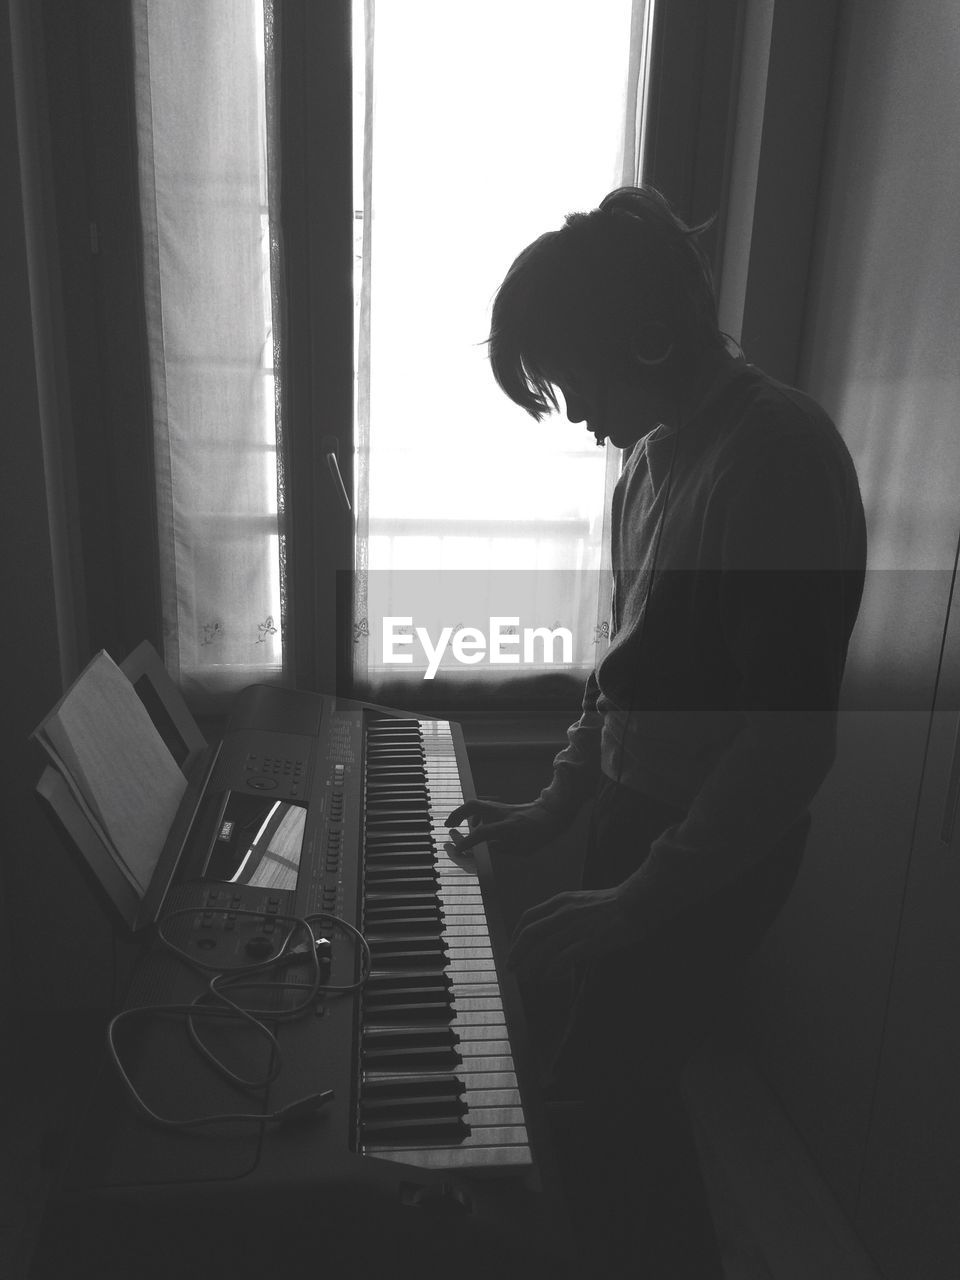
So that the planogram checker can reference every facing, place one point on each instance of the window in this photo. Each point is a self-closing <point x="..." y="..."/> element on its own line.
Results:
<point x="453" y="480"/>
<point x="294" y="188"/>
<point x="482" y="127"/>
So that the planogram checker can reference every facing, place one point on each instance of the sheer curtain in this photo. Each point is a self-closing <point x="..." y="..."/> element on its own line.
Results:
<point x="477" y="128"/>
<point x="202" y="82"/>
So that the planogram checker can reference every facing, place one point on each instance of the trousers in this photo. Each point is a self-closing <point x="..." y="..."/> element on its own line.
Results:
<point x="626" y="1153"/>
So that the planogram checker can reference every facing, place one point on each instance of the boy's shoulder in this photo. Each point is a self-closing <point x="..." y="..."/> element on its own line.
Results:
<point x="767" y="420"/>
<point x="765" y="405"/>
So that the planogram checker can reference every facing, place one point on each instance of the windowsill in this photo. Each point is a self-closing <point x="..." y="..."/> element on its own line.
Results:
<point x="506" y="729"/>
<point x="512" y="735"/>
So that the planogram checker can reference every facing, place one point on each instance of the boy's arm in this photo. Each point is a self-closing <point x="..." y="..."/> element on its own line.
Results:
<point x="576" y="769"/>
<point x="525" y="827"/>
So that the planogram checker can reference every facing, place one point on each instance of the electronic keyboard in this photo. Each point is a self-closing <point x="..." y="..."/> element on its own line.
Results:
<point x="323" y="808"/>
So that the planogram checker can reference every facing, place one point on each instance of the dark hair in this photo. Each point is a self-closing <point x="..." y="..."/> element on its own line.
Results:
<point x="627" y="279"/>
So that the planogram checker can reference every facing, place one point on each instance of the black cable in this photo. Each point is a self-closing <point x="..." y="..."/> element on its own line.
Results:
<point x="226" y="1008"/>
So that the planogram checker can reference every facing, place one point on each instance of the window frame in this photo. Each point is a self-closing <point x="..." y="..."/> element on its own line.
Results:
<point x="317" y="380"/>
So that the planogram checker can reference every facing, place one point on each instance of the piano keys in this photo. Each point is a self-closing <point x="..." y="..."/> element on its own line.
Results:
<point x="438" y="1084"/>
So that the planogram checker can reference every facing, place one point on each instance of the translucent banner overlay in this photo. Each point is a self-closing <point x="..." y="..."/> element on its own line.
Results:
<point x="435" y="629"/>
<point x="427" y="625"/>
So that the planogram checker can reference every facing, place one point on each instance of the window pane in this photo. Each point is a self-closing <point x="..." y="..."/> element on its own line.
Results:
<point x="489" y="124"/>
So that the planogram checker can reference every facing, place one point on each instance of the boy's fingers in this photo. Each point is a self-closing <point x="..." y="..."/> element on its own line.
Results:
<point x="536" y="942"/>
<point x="460" y="857"/>
<point x="470" y="809"/>
<point x="486" y="831"/>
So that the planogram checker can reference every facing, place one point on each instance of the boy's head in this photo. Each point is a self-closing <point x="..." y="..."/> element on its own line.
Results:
<point x="622" y="294"/>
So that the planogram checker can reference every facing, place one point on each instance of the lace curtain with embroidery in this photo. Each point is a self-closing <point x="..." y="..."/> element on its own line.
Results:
<point x="477" y="128"/>
<point x="203" y="74"/>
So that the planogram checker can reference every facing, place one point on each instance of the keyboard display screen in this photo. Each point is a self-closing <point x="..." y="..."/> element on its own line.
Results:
<point x="258" y="842"/>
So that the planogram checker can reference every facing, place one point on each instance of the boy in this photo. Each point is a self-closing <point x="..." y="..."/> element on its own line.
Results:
<point x="738" y="549"/>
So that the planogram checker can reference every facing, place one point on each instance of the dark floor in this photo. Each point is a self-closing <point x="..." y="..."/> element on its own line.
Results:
<point x="46" y="1068"/>
<point x="774" y="1217"/>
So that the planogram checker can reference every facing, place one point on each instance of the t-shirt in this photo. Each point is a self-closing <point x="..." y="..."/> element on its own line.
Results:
<point x="738" y="547"/>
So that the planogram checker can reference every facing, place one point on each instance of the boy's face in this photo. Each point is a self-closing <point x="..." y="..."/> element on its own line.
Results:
<point x="613" y="410"/>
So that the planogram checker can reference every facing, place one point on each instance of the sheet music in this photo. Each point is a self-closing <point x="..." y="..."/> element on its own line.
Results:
<point x="111" y="753"/>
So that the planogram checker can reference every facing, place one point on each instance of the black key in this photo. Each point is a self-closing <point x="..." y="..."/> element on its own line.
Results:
<point x="400" y="834"/>
<point x="400" y="1057"/>
<point x="437" y="992"/>
<point x="404" y="879"/>
<point x="390" y="958"/>
<point x="400" y="899"/>
<point x="376" y="925"/>
<point x="384" y="913"/>
<point x="412" y="979"/>
<point x="384" y="1036"/>
<point x="412" y="938"/>
<point x="432" y="1130"/>
<point x="393" y="807"/>
<point x="406" y="785"/>
<point x="401" y="1108"/>
<point x="410" y="1014"/>
<point x="382" y="855"/>
<point x="402" y="1086"/>
<point x="393" y="953"/>
<point x="398" y="826"/>
<point x="400" y="754"/>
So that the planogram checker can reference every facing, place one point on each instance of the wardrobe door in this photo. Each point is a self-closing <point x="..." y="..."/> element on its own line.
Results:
<point x="909" y="1206"/>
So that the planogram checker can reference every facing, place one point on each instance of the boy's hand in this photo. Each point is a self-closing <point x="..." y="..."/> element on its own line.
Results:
<point x="517" y="828"/>
<point x="570" y="928"/>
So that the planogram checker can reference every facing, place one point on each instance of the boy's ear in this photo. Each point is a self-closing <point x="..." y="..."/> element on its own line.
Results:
<point x="651" y="344"/>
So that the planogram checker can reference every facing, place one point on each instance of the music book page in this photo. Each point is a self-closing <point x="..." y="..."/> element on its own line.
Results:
<point x="115" y="758"/>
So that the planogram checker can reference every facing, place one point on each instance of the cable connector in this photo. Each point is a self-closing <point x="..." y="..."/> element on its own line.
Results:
<point x="303" y="1107"/>
<point x="322" y="946"/>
